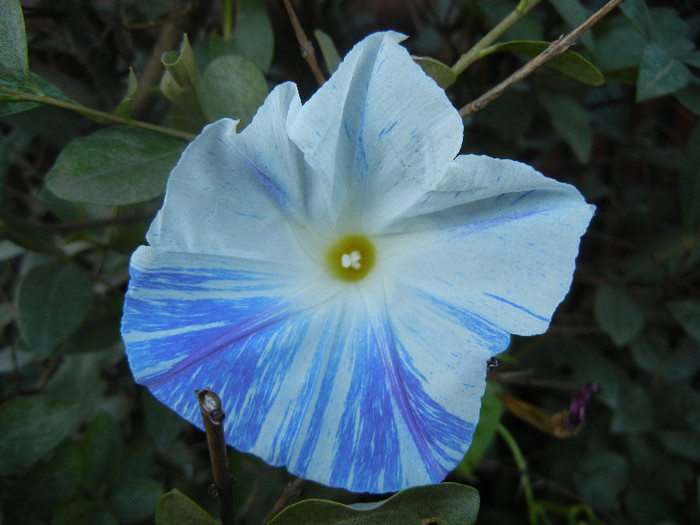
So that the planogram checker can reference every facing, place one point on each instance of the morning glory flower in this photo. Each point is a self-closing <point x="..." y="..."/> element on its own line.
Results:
<point x="340" y="276"/>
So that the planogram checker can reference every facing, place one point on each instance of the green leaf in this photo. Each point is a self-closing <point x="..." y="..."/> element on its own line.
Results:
<point x="115" y="166"/>
<point x="174" y="508"/>
<point x="4" y="162"/>
<point x="490" y="415"/>
<point x="638" y="13"/>
<point x="234" y="87"/>
<point x="328" y="50"/>
<point x="600" y="479"/>
<point x="33" y="85"/>
<point x="682" y="442"/>
<point x="571" y="121"/>
<point x="687" y="313"/>
<point x="439" y="72"/>
<point x="617" y="314"/>
<point x="633" y="411"/>
<point x="124" y="107"/>
<point x="447" y="503"/>
<point x="660" y="74"/>
<point x="254" y="38"/>
<point x="136" y="499"/>
<point x="163" y="425"/>
<point x="182" y="86"/>
<point x="651" y="350"/>
<point x="569" y="63"/>
<point x="31" y="427"/>
<point x="102" y="448"/>
<point x="574" y="14"/>
<point x="13" y="40"/>
<point x="52" y="302"/>
<point x="625" y="40"/>
<point x="690" y="179"/>
<point x="37" y="495"/>
<point x="683" y="363"/>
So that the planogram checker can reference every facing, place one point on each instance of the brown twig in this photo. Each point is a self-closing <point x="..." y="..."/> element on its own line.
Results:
<point x="555" y="49"/>
<point x="291" y="490"/>
<point x="213" y="416"/>
<point x="307" y="48"/>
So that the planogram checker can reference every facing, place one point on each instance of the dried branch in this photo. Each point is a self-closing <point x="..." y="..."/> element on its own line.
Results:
<point x="307" y="48"/>
<point x="556" y="48"/>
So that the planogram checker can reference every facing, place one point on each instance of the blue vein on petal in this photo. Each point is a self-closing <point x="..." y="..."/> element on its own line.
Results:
<point x="510" y="303"/>
<point x="272" y="188"/>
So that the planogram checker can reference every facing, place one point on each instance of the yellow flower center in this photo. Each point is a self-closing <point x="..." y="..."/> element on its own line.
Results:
<point x="351" y="257"/>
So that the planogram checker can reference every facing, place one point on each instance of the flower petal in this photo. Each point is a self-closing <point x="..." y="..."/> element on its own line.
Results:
<point x="377" y="132"/>
<point x="182" y="308"/>
<point x="494" y="237"/>
<point x="328" y="384"/>
<point x="229" y="190"/>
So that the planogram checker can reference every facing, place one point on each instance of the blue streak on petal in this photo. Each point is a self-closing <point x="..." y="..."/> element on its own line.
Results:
<point x="493" y="337"/>
<point x="506" y="301"/>
<point x="387" y="393"/>
<point x="386" y="129"/>
<point x="521" y="197"/>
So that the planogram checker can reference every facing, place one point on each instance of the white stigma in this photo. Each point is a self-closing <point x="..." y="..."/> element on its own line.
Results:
<point x="351" y="260"/>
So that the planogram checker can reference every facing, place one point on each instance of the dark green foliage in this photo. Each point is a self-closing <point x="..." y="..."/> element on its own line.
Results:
<point x="80" y="443"/>
<point x="446" y="504"/>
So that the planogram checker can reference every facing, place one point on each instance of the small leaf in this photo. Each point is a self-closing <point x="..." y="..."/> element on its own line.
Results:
<point x="124" y="107"/>
<point x="174" y="508"/>
<point x="633" y="412"/>
<point x="115" y="166"/>
<point x="617" y="314"/>
<point x="690" y="178"/>
<point x="439" y="72"/>
<point x="446" y="504"/>
<point x="601" y="478"/>
<point x="4" y="162"/>
<point x="687" y="313"/>
<point x="660" y="74"/>
<point x="638" y="13"/>
<point x="330" y="53"/>
<point x="182" y="86"/>
<point x="569" y="63"/>
<point x="31" y="427"/>
<point x="136" y="499"/>
<point x="102" y="448"/>
<point x="234" y="87"/>
<point x="25" y="234"/>
<point x="682" y="442"/>
<point x="162" y="424"/>
<point x="13" y="40"/>
<point x="36" y="496"/>
<point x="52" y="302"/>
<point x="571" y="120"/>
<point x="574" y="14"/>
<point x="254" y="38"/>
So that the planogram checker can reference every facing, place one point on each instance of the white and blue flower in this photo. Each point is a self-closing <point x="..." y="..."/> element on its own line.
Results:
<point x="339" y="276"/>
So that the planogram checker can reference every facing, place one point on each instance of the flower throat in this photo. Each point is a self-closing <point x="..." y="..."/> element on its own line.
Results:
<point x="351" y="257"/>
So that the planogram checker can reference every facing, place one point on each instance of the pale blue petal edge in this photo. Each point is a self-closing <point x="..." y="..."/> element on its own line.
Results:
<point x="504" y="237"/>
